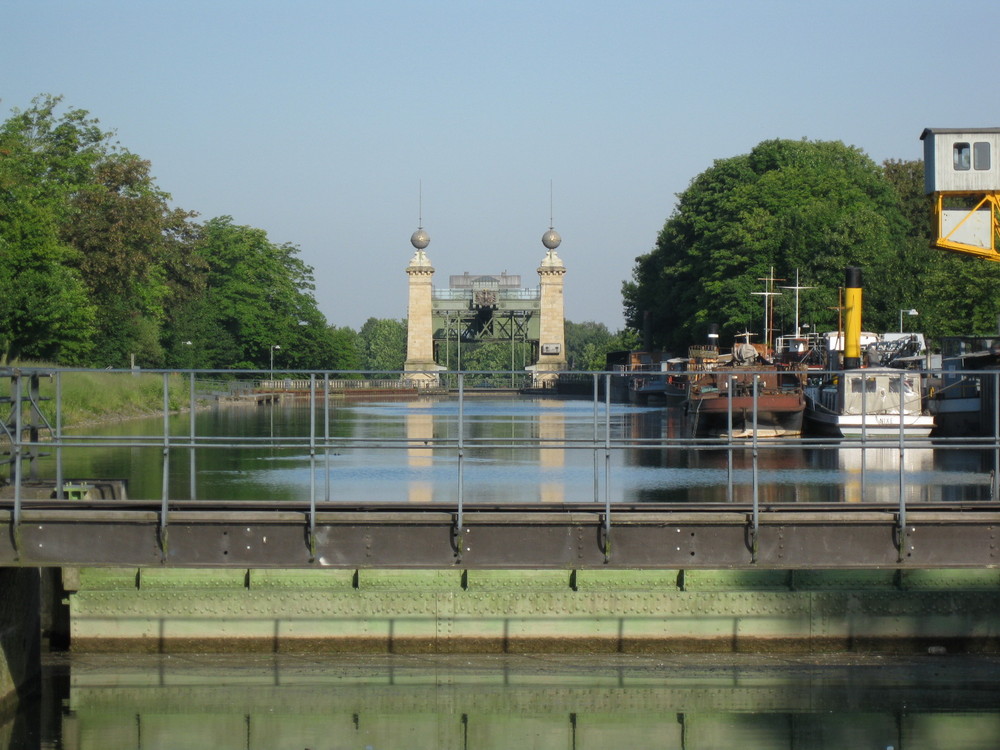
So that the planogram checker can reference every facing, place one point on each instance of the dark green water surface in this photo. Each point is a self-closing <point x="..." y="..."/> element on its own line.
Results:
<point x="516" y="702"/>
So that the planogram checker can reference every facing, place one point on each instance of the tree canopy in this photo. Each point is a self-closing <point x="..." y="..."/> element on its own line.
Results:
<point x="786" y="210"/>
<point x="98" y="268"/>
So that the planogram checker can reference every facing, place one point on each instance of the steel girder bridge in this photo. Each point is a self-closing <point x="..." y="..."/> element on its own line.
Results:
<point x="485" y="309"/>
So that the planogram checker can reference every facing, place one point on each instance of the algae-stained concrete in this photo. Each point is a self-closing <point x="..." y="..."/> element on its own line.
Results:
<point x="20" y="640"/>
<point x="454" y="611"/>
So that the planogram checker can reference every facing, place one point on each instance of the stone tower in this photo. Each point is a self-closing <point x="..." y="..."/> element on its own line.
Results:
<point x="552" y="333"/>
<point x="420" y="367"/>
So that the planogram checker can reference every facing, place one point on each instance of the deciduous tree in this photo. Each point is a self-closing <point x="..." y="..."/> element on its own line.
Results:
<point x="811" y="207"/>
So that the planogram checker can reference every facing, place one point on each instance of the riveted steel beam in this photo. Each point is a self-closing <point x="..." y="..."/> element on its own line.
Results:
<point x="519" y="537"/>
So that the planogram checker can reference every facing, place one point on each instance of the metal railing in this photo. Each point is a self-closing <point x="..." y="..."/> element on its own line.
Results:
<point x="504" y="293"/>
<point x="32" y="429"/>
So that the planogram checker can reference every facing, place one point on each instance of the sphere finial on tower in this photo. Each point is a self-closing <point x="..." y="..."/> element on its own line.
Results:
<point x="551" y="239"/>
<point x="420" y="239"/>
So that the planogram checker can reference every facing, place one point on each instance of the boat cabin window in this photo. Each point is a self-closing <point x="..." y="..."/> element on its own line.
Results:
<point x="894" y="385"/>
<point x="857" y="385"/>
<point x="962" y="155"/>
<point x="981" y="155"/>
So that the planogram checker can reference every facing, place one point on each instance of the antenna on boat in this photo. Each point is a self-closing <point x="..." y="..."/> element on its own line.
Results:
<point x="797" y="288"/>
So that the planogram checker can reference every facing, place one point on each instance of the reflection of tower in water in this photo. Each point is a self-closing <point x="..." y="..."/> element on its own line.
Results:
<point x="420" y="454"/>
<point x="551" y="431"/>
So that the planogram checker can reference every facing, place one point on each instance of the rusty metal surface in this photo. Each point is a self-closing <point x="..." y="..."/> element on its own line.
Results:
<point x="575" y="537"/>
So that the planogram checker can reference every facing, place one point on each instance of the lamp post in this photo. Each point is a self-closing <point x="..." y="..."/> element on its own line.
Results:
<point x="190" y="354"/>
<point x="273" y="347"/>
<point x="911" y="311"/>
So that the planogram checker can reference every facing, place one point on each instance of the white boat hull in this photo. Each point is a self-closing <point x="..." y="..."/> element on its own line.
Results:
<point x="873" y="426"/>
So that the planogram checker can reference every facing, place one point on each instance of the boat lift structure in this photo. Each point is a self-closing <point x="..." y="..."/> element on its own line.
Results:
<point x="482" y="308"/>
<point x="962" y="173"/>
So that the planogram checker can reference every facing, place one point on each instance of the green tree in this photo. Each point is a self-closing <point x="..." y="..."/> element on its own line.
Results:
<point x="125" y="230"/>
<point x="787" y="206"/>
<point x="494" y="356"/>
<point x="62" y="174"/>
<point x="346" y="344"/>
<point x="258" y="296"/>
<point x="588" y="344"/>
<point x="583" y="340"/>
<point x="383" y="345"/>
<point x="51" y="156"/>
<point x="97" y="268"/>
<point x="45" y="310"/>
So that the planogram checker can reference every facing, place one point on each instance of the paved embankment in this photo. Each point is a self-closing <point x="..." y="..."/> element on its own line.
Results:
<point x="163" y="610"/>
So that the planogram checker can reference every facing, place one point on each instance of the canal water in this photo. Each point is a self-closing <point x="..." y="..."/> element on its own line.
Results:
<point x="514" y="450"/>
<point x="695" y="702"/>
<point x="523" y="450"/>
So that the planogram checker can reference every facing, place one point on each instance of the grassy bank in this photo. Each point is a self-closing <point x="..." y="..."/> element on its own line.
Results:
<point x="97" y="396"/>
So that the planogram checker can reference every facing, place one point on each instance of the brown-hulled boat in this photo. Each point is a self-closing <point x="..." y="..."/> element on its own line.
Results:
<point x="745" y="395"/>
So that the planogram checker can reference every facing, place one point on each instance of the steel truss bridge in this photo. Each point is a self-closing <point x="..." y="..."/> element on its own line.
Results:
<point x="39" y="529"/>
<point x="480" y="309"/>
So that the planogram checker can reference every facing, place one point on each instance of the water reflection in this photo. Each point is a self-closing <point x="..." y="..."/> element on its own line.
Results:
<point x="496" y="703"/>
<point x="515" y="450"/>
<point x="552" y="457"/>
<point x="420" y="456"/>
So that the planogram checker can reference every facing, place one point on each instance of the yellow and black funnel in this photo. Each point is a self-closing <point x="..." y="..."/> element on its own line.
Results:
<point x="852" y="318"/>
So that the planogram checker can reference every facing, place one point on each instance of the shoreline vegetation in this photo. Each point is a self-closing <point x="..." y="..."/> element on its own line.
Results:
<point x="90" y="397"/>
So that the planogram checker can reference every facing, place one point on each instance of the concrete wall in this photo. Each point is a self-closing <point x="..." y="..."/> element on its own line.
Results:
<point x="19" y="636"/>
<point x="444" y="611"/>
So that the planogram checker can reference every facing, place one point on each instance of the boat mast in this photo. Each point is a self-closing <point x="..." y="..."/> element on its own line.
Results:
<point x="797" y="287"/>
<point x="768" y="306"/>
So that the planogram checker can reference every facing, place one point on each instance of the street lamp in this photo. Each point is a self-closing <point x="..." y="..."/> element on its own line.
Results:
<point x="276" y="346"/>
<point x="911" y="311"/>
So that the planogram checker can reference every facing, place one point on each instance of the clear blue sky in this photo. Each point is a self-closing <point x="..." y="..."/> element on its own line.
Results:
<point x="317" y="121"/>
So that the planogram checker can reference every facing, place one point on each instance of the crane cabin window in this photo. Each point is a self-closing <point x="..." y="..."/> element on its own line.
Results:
<point x="962" y="155"/>
<point x="981" y="155"/>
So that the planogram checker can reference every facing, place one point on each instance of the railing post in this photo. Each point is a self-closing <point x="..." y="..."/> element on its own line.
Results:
<point x="729" y="451"/>
<point x="996" y="436"/>
<point x="864" y="434"/>
<point x="755" y="533"/>
<point x="459" y="533"/>
<point x="165" y="487"/>
<point x="597" y="398"/>
<point x="326" y="435"/>
<point x="58" y="437"/>
<point x="16" y="455"/>
<point x="901" y="530"/>
<point x="607" y="468"/>
<point x="312" y="467"/>
<point x="193" y="484"/>
<point x="730" y="393"/>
